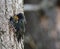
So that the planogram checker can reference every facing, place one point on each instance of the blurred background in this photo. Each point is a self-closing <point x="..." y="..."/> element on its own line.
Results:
<point x="42" y="24"/>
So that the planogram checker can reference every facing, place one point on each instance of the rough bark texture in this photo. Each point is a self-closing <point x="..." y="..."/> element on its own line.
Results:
<point x="9" y="8"/>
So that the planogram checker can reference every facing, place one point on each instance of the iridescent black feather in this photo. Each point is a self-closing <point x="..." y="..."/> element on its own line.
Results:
<point x="19" y="26"/>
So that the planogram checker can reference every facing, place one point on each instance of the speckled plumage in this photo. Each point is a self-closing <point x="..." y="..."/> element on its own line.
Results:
<point x="18" y="25"/>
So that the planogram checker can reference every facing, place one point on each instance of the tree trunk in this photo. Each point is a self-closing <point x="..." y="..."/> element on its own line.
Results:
<point x="7" y="9"/>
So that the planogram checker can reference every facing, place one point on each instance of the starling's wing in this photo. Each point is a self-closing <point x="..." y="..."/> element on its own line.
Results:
<point x="22" y="25"/>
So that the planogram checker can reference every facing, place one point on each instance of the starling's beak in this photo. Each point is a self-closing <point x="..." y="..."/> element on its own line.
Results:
<point x="16" y="18"/>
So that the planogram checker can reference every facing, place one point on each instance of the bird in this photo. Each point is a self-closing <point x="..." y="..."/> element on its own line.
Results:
<point x="18" y="23"/>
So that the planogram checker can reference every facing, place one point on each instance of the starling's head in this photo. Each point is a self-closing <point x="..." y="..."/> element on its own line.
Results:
<point x="20" y="16"/>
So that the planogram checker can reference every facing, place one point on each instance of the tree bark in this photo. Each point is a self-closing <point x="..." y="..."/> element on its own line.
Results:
<point x="7" y="9"/>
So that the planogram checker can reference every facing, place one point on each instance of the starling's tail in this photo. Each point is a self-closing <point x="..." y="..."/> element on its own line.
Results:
<point x="18" y="36"/>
